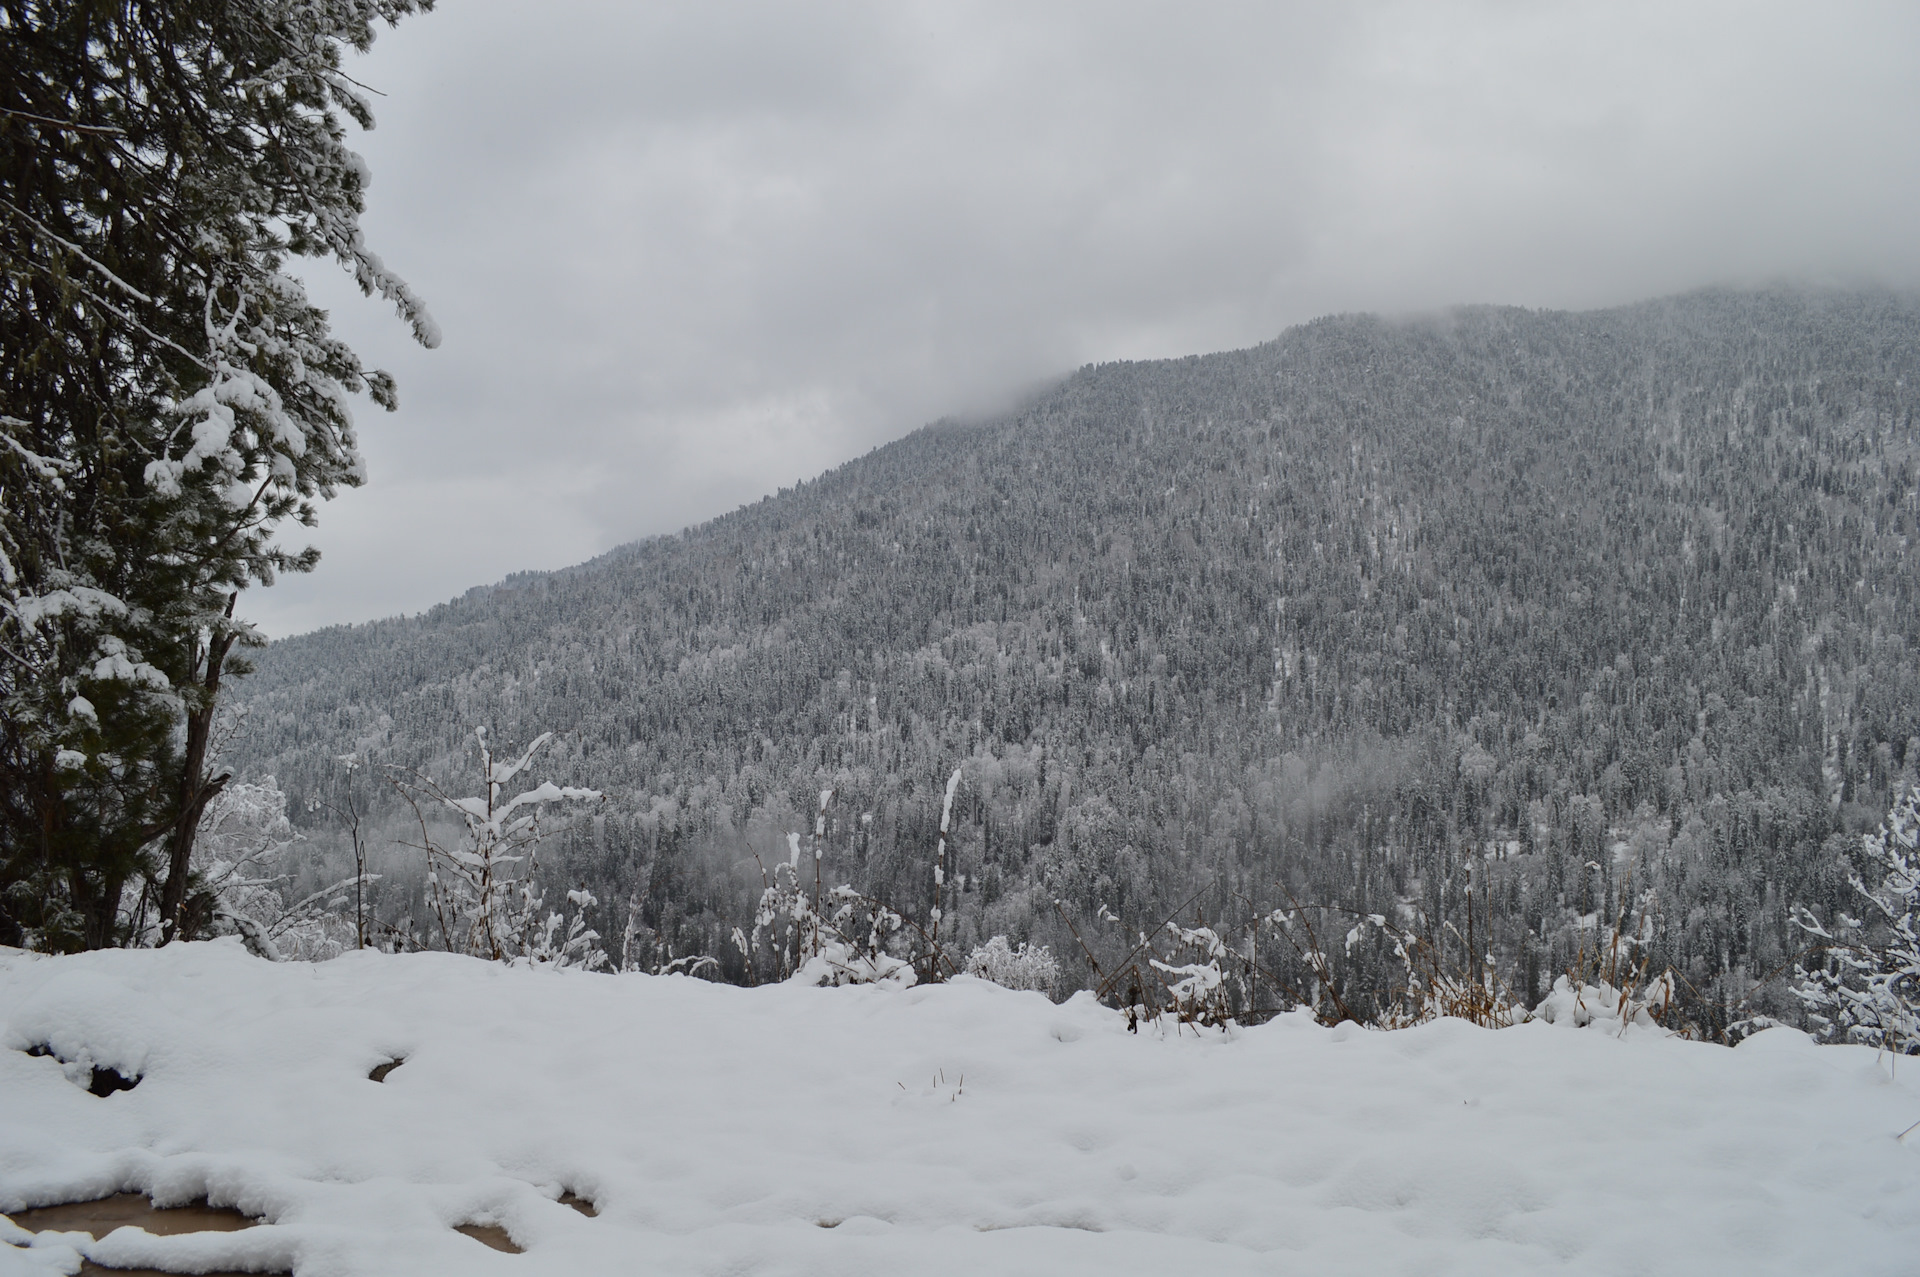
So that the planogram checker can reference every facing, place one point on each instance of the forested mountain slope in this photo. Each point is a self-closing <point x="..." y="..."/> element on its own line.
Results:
<point x="1606" y="604"/>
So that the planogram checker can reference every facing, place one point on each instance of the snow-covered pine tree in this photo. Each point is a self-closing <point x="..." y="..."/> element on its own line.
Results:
<point x="168" y="397"/>
<point x="1866" y="985"/>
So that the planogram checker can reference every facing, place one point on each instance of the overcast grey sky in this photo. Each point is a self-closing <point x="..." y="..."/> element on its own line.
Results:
<point x="687" y="254"/>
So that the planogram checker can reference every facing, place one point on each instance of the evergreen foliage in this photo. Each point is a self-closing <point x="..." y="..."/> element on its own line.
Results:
<point x="1605" y="617"/>
<point x="1865" y="983"/>
<point x="168" y="397"/>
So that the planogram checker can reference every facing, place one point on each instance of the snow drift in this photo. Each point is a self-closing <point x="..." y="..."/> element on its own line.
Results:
<point x="959" y="1128"/>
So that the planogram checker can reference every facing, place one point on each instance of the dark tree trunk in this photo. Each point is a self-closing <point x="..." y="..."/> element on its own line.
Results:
<point x="196" y="789"/>
<point x="99" y="904"/>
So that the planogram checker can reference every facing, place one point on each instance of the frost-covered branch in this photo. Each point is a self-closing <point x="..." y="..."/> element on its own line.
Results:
<point x="486" y="892"/>
<point x="1866" y="985"/>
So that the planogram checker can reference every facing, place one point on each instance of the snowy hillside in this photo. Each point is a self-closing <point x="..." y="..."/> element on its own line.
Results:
<point x="1629" y="588"/>
<point x="959" y="1128"/>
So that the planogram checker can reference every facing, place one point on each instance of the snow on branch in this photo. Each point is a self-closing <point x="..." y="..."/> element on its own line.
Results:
<point x="1865" y="987"/>
<point x="485" y="894"/>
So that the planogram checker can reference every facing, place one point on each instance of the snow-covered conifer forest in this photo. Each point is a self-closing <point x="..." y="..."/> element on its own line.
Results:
<point x="1550" y="625"/>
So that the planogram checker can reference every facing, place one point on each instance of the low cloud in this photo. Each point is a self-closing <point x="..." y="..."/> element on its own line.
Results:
<point x="686" y="254"/>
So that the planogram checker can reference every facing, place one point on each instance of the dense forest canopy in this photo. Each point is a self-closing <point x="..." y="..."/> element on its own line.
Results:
<point x="1581" y="608"/>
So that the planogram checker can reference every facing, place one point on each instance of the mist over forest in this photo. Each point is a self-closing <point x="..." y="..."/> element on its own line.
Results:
<point x="1524" y="620"/>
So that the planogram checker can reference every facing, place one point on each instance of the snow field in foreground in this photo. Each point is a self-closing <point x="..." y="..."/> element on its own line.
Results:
<point x="959" y="1128"/>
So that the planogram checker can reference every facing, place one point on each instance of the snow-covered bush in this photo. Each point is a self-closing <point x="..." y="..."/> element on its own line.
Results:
<point x="1647" y="1006"/>
<point x="853" y="944"/>
<point x="1197" y="989"/>
<point x="1031" y="966"/>
<point x="834" y="937"/>
<point x="485" y="895"/>
<point x="580" y="947"/>
<point x="1866" y="987"/>
<point x="1454" y="979"/>
<point x="1612" y="981"/>
<point x="1190" y="973"/>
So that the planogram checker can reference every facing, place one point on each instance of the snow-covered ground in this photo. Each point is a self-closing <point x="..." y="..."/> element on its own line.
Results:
<point x="959" y="1128"/>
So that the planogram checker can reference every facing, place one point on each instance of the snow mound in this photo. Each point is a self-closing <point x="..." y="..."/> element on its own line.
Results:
<point x="961" y="1128"/>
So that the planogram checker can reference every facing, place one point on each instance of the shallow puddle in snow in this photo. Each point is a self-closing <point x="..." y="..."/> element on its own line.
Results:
<point x="98" y="1218"/>
<point x="101" y="1217"/>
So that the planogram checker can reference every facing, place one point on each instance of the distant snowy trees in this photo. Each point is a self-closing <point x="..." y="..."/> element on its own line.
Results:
<point x="169" y="399"/>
